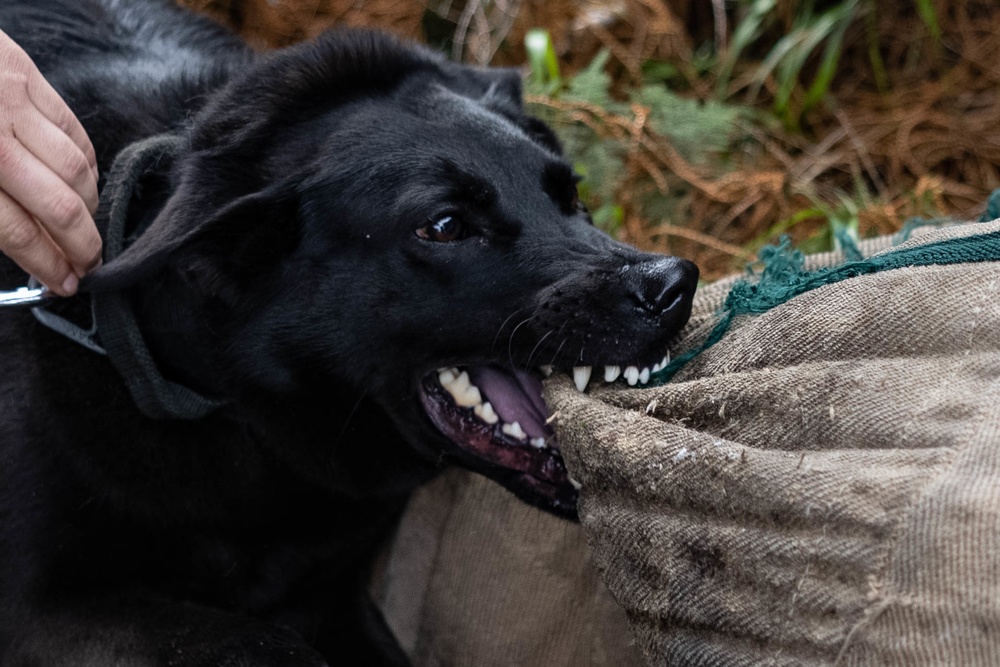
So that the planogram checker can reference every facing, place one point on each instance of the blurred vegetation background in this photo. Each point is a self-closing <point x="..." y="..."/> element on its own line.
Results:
<point x="707" y="129"/>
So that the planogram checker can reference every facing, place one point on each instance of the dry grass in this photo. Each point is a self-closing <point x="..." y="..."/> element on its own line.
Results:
<point x="923" y="141"/>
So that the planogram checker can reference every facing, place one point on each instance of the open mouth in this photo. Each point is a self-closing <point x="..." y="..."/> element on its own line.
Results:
<point x="497" y="416"/>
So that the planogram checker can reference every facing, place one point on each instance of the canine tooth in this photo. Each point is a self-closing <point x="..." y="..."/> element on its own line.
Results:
<point x="538" y="442"/>
<point x="546" y="370"/>
<point x="515" y="431"/>
<point x="632" y="375"/>
<point x="486" y="413"/>
<point x="644" y="376"/>
<point x="611" y="373"/>
<point x="576" y="484"/>
<point x="581" y="376"/>
<point x="446" y="376"/>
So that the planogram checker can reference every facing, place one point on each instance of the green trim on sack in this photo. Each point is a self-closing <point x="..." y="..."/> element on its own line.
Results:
<point x="784" y="277"/>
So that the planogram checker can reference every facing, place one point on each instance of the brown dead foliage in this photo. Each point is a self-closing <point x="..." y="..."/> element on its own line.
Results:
<point x="273" y="23"/>
<point x="923" y="140"/>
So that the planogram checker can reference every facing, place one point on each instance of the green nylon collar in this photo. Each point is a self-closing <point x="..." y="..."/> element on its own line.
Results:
<point x="115" y="331"/>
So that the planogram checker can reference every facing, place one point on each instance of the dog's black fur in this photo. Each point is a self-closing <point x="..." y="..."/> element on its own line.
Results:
<point x="293" y="272"/>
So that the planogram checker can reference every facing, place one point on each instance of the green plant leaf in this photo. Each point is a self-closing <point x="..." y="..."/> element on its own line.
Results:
<point x="545" y="77"/>
<point x="697" y="129"/>
<point x="747" y="31"/>
<point x="659" y="71"/>
<point x="609" y="217"/>
<point x="779" y="52"/>
<point x="790" y="54"/>
<point x="830" y="60"/>
<point x="874" y="55"/>
<point x="592" y="84"/>
<point x="929" y="16"/>
<point x="783" y="226"/>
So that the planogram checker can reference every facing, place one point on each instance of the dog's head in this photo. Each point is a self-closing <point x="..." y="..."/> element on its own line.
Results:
<point x="361" y="211"/>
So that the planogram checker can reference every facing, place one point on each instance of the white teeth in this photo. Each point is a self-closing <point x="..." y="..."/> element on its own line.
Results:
<point x="611" y="373"/>
<point x="514" y="430"/>
<point x="663" y="363"/>
<point x="576" y="484"/>
<point x="467" y="395"/>
<point x="644" y="376"/>
<point x="460" y="384"/>
<point x="447" y="375"/>
<point x="461" y="389"/>
<point x="546" y="370"/>
<point x="632" y="375"/>
<point x="486" y="413"/>
<point x="464" y="392"/>
<point x="581" y="376"/>
<point x="470" y="399"/>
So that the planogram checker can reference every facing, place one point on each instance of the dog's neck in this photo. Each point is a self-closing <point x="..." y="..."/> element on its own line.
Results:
<point x="330" y="425"/>
<point x="179" y="338"/>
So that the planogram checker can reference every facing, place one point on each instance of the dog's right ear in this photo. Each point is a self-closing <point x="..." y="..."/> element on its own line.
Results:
<point x="244" y="241"/>
<point x="217" y="256"/>
<point x="495" y="87"/>
<point x="504" y="85"/>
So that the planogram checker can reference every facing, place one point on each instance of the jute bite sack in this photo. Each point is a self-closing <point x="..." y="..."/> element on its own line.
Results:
<point x="477" y="578"/>
<point x="819" y="487"/>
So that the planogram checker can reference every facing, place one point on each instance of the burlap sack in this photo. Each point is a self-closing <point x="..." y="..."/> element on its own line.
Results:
<point x="821" y="487"/>
<point x="476" y="578"/>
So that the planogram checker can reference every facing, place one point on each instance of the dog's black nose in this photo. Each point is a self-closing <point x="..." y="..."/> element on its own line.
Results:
<point x="662" y="286"/>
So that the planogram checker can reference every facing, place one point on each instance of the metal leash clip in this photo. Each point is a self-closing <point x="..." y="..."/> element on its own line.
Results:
<point x="26" y="297"/>
<point x="36" y="296"/>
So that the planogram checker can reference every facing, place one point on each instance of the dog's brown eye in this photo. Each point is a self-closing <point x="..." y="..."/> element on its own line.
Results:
<point x="444" y="229"/>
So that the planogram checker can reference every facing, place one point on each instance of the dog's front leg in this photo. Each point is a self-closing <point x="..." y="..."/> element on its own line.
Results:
<point x="124" y="632"/>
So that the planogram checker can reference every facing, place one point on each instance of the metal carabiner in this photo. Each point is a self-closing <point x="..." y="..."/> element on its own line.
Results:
<point x="26" y="297"/>
<point x="36" y="296"/>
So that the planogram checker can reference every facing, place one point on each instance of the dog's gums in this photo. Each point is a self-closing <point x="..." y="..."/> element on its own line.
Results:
<point x="498" y="416"/>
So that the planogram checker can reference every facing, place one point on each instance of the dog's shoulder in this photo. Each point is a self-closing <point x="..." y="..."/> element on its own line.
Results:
<point x="127" y="69"/>
<point x="65" y="31"/>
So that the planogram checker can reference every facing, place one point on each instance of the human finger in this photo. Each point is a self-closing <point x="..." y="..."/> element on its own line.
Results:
<point x="60" y="154"/>
<point x="52" y="106"/>
<point x="61" y="211"/>
<point x="24" y="241"/>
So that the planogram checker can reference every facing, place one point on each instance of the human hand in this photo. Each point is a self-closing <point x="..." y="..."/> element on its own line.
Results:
<point x="48" y="178"/>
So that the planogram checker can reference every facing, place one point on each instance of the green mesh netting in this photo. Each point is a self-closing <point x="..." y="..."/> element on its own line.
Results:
<point x="784" y="276"/>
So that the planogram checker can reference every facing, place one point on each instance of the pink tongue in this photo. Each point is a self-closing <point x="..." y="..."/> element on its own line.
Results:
<point x="516" y="397"/>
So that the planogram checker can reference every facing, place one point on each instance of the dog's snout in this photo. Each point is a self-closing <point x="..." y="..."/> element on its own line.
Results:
<point x="662" y="285"/>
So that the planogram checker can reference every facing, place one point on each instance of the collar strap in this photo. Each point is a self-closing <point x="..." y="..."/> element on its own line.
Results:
<point x="119" y="335"/>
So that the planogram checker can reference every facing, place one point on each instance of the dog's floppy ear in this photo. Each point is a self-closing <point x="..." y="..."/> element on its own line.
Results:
<point x="244" y="240"/>
<point x="498" y="88"/>
<point x="217" y="254"/>
<point x="505" y="86"/>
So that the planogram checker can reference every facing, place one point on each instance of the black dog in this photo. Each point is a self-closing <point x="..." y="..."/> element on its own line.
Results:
<point x="357" y="255"/>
